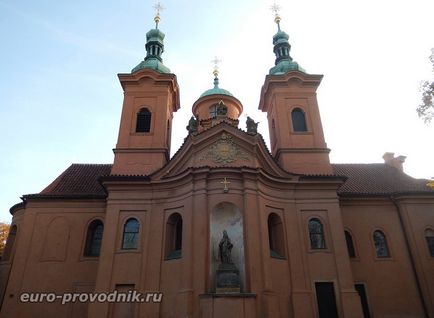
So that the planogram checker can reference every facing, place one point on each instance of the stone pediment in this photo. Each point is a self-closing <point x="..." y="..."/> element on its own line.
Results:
<point x="222" y="146"/>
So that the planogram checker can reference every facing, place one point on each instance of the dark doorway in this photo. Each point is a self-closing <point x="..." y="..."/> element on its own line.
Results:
<point x="363" y="299"/>
<point x="325" y="296"/>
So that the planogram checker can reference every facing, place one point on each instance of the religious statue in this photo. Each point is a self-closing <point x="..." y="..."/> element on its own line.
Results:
<point x="192" y="126"/>
<point x="316" y="234"/>
<point x="227" y="274"/>
<point x="252" y="127"/>
<point x="225" y="248"/>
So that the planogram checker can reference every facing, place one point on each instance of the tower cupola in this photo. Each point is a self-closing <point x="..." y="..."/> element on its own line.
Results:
<point x="216" y="90"/>
<point x="284" y="62"/>
<point x="154" y="48"/>
<point x="217" y="104"/>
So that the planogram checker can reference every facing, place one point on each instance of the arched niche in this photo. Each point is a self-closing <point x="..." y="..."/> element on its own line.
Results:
<point x="226" y="216"/>
<point x="56" y="240"/>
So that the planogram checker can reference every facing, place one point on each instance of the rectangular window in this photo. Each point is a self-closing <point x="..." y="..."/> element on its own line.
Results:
<point x="363" y="299"/>
<point x="350" y="245"/>
<point x="325" y="296"/>
<point x="430" y="242"/>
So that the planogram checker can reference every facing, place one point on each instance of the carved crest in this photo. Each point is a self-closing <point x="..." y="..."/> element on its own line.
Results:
<point x="225" y="151"/>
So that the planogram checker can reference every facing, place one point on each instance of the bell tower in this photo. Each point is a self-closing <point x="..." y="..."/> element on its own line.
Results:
<point x="151" y="95"/>
<point x="289" y="98"/>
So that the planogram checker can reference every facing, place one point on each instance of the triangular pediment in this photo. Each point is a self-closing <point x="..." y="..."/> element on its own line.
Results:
<point x="222" y="146"/>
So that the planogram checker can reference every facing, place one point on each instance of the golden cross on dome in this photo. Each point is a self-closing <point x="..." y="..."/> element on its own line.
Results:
<point x="158" y="8"/>
<point x="216" y="62"/>
<point x="276" y="9"/>
<point x="225" y="182"/>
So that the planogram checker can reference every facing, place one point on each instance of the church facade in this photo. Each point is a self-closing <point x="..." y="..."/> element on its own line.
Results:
<point x="226" y="227"/>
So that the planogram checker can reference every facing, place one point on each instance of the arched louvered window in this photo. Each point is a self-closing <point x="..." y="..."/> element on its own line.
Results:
<point x="298" y="120"/>
<point x="316" y="234"/>
<point x="174" y="236"/>
<point x="130" y="239"/>
<point x="10" y="242"/>
<point x="350" y="244"/>
<point x="429" y="236"/>
<point x="275" y="236"/>
<point x="143" y="123"/>
<point x="94" y="238"/>
<point x="380" y="242"/>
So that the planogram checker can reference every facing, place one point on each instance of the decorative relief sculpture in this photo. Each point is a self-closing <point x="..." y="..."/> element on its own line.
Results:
<point x="225" y="151"/>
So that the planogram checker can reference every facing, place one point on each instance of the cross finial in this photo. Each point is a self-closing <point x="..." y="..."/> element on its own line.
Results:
<point x="276" y="9"/>
<point x="225" y="182"/>
<point x="158" y="8"/>
<point x="216" y="62"/>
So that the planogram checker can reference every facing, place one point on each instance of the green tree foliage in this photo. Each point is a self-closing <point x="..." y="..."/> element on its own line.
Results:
<point x="426" y="108"/>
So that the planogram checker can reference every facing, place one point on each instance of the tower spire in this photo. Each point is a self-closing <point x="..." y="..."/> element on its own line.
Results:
<point x="216" y="62"/>
<point x="276" y="8"/>
<point x="283" y="62"/>
<point x="158" y="8"/>
<point x="154" y="46"/>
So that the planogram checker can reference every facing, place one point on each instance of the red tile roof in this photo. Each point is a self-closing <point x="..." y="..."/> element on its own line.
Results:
<point x="79" y="179"/>
<point x="377" y="179"/>
<point x="363" y="179"/>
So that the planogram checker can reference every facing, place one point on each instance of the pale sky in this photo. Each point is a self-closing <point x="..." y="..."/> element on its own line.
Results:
<point x="61" y="99"/>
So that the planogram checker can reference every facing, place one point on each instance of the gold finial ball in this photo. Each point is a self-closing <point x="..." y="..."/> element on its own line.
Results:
<point x="277" y="19"/>
<point x="216" y="62"/>
<point x="157" y="18"/>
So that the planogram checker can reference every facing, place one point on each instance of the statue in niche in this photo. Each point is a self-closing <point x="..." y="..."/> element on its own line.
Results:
<point x="192" y="126"/>
<point x="252" y="127"/>
<point x="316" y="234"/>
<point x="225" y="248"/>
<point x="227" y="274"/>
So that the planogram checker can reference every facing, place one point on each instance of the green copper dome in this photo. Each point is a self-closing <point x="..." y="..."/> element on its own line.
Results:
<point x="280" y="37"/>
<point x="153" y="64"/>
<point x="284" y="67"/>
<point x="155" y="35"/>
<point x="216" y="90"/>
